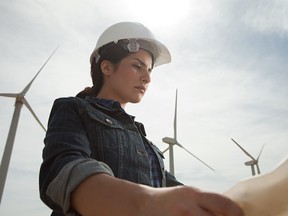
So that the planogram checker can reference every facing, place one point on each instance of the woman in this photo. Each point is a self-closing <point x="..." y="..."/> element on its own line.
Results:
<point x="97" y="159"/>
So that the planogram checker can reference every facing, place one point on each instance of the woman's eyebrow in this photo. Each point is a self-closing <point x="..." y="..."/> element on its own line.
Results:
<point x="141" y="62"/>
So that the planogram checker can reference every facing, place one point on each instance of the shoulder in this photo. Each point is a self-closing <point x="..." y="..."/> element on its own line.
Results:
<point x="70" y="101"/>
<point x="73" y="106"/>
<point x="69" y="104"/>
<point x="89" y="104"/>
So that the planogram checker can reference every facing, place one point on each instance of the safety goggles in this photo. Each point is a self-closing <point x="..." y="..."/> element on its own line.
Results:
<point x="132" y="45"/>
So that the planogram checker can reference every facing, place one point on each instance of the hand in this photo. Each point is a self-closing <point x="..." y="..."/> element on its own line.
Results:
<point x="188" y="201"/>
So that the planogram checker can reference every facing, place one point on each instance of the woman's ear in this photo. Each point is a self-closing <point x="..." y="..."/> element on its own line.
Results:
<point x="106" y="67"/>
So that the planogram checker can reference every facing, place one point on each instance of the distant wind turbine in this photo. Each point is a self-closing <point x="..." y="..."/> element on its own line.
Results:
<point x="173" y="141"/>
<point x="253" y="162"/>
<point x="19" y="101"/>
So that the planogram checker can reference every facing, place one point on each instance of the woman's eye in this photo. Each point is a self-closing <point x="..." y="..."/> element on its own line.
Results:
<point x="137" y="66"/>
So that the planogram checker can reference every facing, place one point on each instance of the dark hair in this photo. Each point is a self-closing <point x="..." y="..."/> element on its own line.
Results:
<point x="111" y="52"/>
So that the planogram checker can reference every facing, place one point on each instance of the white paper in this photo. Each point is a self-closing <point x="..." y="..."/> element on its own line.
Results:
<point x="263" y="195"/>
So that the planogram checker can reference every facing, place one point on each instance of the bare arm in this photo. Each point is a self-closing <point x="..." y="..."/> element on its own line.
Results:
<point x="105" y="195"/>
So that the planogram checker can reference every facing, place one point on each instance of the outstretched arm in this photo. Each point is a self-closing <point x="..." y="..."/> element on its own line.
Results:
<point x="105" y="195"/>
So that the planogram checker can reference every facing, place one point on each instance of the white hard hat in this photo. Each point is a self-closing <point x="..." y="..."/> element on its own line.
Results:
<point x="135" y="32"/>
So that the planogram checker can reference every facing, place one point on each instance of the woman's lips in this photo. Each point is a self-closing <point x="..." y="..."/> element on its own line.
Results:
<point x="141" y="88"/>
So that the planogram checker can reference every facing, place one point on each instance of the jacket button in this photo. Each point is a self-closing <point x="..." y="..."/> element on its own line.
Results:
<point x="108" y="121"/>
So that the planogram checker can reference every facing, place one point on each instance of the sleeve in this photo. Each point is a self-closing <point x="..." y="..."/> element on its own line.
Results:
<point x="66" y="156"/>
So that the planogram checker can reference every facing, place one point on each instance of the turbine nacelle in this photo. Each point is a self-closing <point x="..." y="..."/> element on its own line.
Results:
<point x="169" y="140"/>
<point x="250" y="163"/>
<point x="253" y="162"/>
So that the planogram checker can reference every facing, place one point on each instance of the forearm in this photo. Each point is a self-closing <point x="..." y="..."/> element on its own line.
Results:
<point x="56" y="192"/>
<point x="106" y="195"/>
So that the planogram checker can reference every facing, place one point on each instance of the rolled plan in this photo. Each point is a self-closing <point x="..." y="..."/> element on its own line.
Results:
<point x="263" y="195"/>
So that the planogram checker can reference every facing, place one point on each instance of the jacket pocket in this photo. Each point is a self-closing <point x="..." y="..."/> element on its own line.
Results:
<point x="106" y="137"/>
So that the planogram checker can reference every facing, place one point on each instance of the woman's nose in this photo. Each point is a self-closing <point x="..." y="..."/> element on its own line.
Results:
<point x="147" y="77"/>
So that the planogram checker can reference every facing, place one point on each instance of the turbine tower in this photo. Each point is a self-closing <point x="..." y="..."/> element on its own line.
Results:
<point x="173" y="141"/>
<point x="19" y="101"/>
<point x="253" y="162"/>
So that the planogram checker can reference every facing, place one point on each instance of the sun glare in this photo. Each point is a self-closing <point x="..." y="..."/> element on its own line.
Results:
<point x="161" y="13"/>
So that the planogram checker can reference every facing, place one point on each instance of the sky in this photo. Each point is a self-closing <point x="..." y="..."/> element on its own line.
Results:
<point x="229" y="64"/>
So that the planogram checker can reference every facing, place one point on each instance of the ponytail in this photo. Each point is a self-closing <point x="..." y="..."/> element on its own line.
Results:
<point x="113" y="54"/>
<point x="88" y="91"/>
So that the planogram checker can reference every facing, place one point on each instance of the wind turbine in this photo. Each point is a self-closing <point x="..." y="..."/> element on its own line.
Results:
<point x="173" y="141"/>
<point x="253" y="162"/>
<point x="19" y="101"/>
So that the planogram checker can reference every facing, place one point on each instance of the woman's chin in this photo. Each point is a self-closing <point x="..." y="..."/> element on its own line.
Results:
<point x="136" y="100"/>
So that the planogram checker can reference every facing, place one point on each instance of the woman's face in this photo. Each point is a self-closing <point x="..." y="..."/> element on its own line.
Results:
<point x="128" y="80"/>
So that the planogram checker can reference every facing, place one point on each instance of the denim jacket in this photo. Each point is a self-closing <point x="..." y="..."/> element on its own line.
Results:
<point x="84" y="139"/>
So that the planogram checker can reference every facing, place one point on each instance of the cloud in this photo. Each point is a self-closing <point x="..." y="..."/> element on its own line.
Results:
<point x="269" y="18"/>
<point x="24" y="195"/>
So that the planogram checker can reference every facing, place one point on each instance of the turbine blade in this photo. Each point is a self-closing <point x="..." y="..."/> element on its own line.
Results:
<point x="175" y="118"/>
<point x="194" y="156"/>
<point x="243" y="150"/>
<point x="260" y="152"/>
<point x="30" y="109"/>
<point x="30" y="83"/>
<point x="8" y="95"/>
<point x="165" y="150"/>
